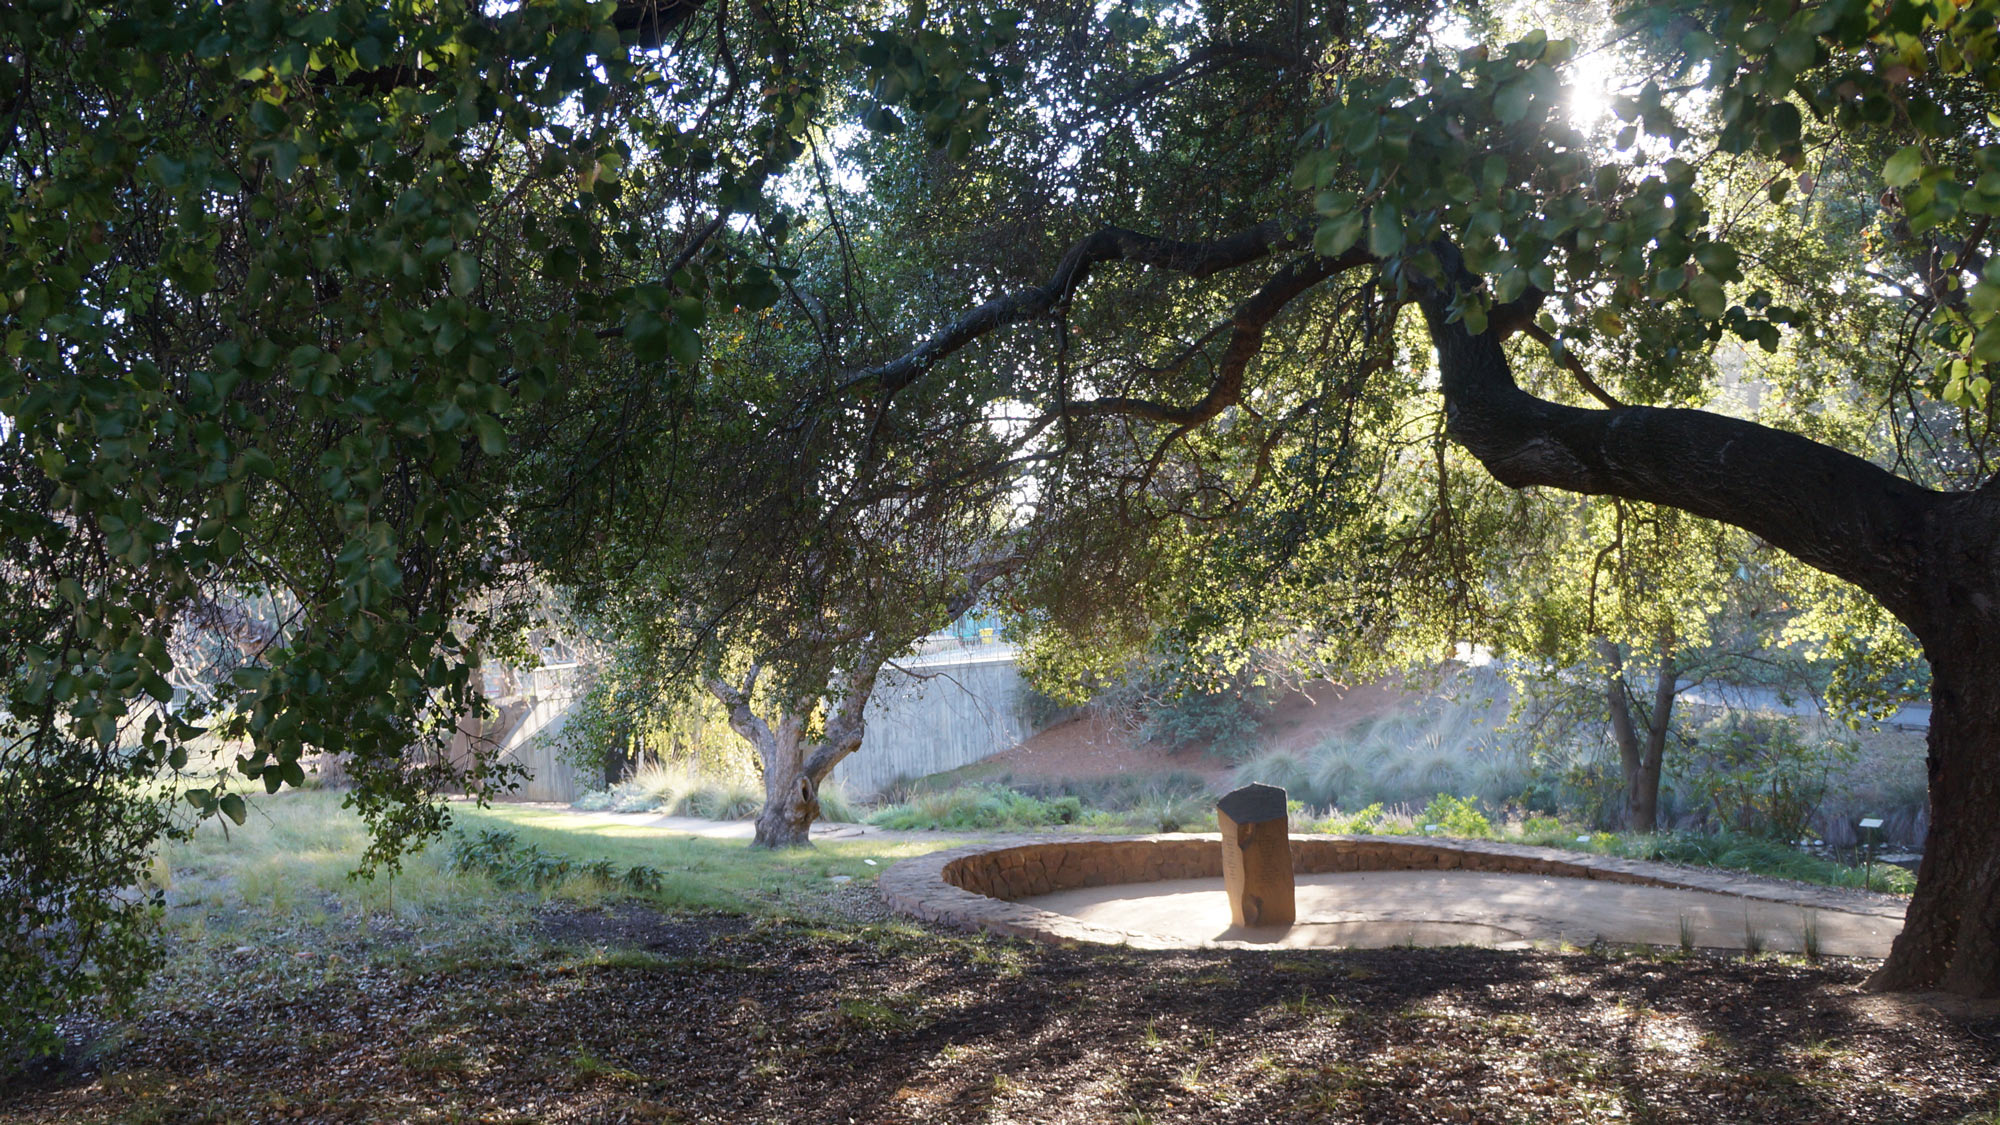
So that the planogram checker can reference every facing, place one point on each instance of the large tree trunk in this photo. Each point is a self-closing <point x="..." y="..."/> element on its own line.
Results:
<point x="1931" y="558"/>
<point x="791" y="795"/>
<point x="618" y="756"/>
<point x="794" y="768"/>
<point x="1951" y="935"/>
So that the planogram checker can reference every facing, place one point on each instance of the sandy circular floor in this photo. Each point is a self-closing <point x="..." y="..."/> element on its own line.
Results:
<point x="1374" y="909"/>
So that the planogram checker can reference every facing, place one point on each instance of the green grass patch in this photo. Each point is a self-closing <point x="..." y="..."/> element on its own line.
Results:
<point x="698" y="873"/>
<point x="276" y="899"/>
<point x="1735" y="852"/>
<point x="1448" y="816"/>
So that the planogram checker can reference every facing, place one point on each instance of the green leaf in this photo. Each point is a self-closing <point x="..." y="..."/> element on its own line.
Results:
<point x="1720" y="259"/>
<point x="1336" y="235"/>
<point x="232" y="807"/>
<point x="1385" y="232"/>
<point x="1705" y="290"/>
<point x="1795" y="51"/>
<point x="492" y="436"/>
<point x="464" y="274"/>
<point x="1904" y="167"/>
<point x="882" y="119"/>
<point x="684" y="344"/>
<point x="1510" y="102"/>
<point x="1783" y="122"/>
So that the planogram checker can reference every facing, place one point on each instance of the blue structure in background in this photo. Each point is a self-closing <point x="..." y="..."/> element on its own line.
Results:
<point x="975" y="627"/>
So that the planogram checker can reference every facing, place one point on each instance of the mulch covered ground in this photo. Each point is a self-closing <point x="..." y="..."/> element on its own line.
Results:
<point x="637" y="1017"/>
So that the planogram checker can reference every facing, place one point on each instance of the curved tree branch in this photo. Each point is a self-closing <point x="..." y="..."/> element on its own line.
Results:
<point x="1110" y="244"/>
<point x="1572" y="365"/>
<point x="1831" y="509"/>
<point x="1247" y="324"/>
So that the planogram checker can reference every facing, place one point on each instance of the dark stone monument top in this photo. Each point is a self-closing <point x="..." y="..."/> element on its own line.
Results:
<point x="1254" y="804"/>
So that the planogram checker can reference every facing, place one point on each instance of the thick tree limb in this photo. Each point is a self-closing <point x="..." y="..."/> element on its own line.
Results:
<point x="1831" y="509"/>
<point x="1201" y="60"/>
<point x="742" y="719"/>
<point x="1111" y="244"/>
<point x="1247" y="324"/>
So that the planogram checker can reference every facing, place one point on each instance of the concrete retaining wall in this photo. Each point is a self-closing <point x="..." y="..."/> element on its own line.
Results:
<point x="951" y="709"/>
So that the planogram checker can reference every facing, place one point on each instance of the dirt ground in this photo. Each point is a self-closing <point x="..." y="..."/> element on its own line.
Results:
<point x="633" y="1016"/>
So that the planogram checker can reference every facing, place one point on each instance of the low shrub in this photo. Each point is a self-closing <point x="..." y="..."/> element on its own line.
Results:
<point x="1117" y="792"/>
<point x="1455" y="816"/>
<point x="1446" y="746"/>
<point x="1764" y="856"/>
<point x="723" y="799"/>
<point x="1169" y="812"/>
<point x="500" y="856"/>
<point x="484" y="852"/>
<point x="1371" y="821"/>
<point x="678" y="791"/>
<point x="642" y="879"/>
<point x="1734" y="851"/>
<point x="1227" y="723"/>
<point x="836" y="805"/>
<point x="976" y="807"/>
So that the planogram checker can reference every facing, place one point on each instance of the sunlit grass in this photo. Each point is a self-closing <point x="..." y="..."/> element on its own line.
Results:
<point x="298" y="852"/>
<point x="276" y="899"/>
<point x="700" y="873"/>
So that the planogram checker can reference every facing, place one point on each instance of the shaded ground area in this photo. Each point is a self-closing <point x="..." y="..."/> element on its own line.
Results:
<point x="674" y="1018"/>
<point x="1385" y="908"/>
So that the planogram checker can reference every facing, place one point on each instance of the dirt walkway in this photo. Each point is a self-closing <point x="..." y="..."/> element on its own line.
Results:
<point x="715" y="829"/>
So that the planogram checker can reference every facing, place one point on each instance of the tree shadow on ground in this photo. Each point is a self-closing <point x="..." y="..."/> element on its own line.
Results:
<point x="748" y="1022"/>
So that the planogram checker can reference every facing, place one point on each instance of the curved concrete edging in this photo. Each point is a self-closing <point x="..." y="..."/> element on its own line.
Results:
<point x="973" y="887"/>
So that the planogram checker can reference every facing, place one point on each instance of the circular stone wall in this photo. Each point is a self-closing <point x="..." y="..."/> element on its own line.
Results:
<point x="977" y="887"/>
